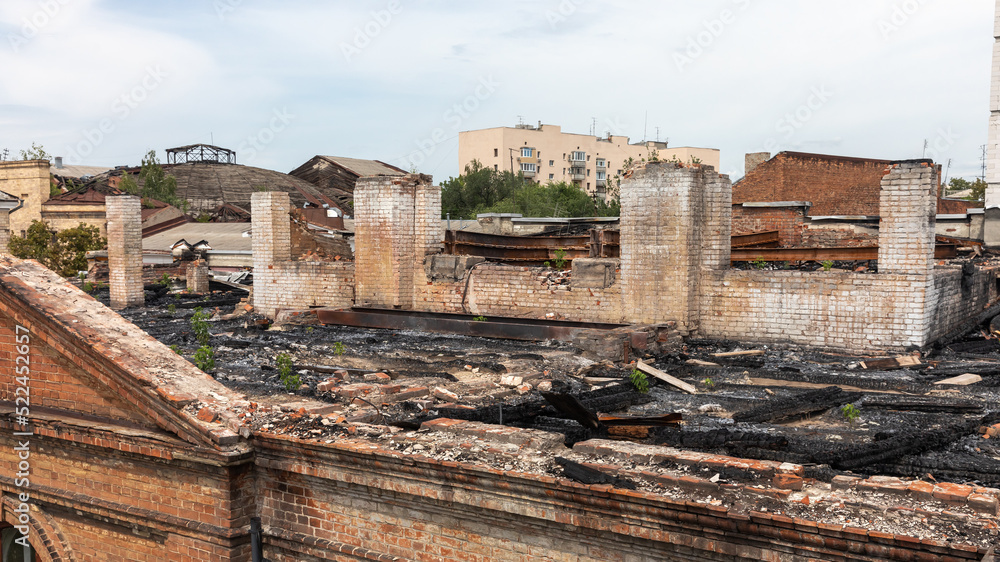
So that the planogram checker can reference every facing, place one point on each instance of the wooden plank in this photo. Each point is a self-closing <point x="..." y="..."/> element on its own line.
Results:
<point x="963" y="380"/>
<point x="751" y="353"/>
<point x="900" y="362"/>
<point x="700" y="363"/>
<point x="650" y="370"/>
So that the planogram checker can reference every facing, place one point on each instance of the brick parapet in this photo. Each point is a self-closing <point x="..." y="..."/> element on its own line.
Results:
<point x="388" y="247"/>
<point x="196" y="275"/>
<point x="908" y="209"/>
<point x="28" y="180"/>
<point x="125" y="251"/>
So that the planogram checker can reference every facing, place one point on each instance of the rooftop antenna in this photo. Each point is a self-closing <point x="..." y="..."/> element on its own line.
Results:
<point x="3" y="157"/>
<point x="645" y="122"/>
<point x="657" y="134"/>
<point x="593" y="126"/>
<point x="924" y="154"/>
<point x="983" y="177"/>
<point x="946" y="170"/>
<point x="520" y="120"/>
<point x="212" y="136"/>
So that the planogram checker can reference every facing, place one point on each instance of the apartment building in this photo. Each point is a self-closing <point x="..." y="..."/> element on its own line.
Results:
<point x="546" y="154"/>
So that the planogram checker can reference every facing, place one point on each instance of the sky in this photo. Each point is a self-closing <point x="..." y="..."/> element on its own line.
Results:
<point x="101" y="82"/>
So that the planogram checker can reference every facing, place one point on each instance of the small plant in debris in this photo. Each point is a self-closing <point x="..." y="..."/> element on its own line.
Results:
<point x="288" y="378"/>
<point x="560" y="260"/>
<point x="709" y="383"/>
<point x="548" y="264"/>
<point x="172" y="308"/>
<point x="204" y="358"/>
<point x="199" y="325"/>
<point x="479" y="319"/>
<point x="759" y="263"/>
<point x="165" y="280"/>
<point x="827" y="265"/>
<point x="850" y="413"/>
<point x="639" y="381"/>
<point x="88" y="287"/>
<point x="176" y="349"/>
<point x="309" y="329"/>
<point x="338" y="348"/>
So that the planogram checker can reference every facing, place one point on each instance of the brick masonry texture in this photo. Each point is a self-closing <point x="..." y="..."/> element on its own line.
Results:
<point x="788" y="221"/>
<point x="29" y="181"/>
<point x="127" y="471"/>
<point x="834" y="185"/>
<point x="4" y="230"/>
<point x="125" y="254"/>
<point x="280" y="282"/>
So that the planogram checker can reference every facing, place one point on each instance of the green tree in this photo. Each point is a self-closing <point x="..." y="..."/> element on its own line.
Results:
<point x="64" y="252"/>
<point x="484" y="190"/>
<point x="978" y="188"/>
<point x="156" y="184"/>
<point x="37" y="152"/>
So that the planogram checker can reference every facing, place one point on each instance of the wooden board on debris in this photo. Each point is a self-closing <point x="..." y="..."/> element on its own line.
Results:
<point x="901" y="362"/>
<point x="963" y="380"/>
<point x="750" y="353"/>
<point x="650" y="370"/>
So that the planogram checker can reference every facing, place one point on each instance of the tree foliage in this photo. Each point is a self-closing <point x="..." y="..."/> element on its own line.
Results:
<point x="37" y="152"/>
<point x="64" y="252"/>
<point x="156" y="184"/>
<point x="977" y="188"/>
<point x="484" y="190"/>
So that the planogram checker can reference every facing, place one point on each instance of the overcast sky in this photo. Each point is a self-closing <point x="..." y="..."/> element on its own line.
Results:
<point x="102" y="81"/>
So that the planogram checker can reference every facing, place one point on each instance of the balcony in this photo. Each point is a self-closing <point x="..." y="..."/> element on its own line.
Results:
<point x="578" y="174"/>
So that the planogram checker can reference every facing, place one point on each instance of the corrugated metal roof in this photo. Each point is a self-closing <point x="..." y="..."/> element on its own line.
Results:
<point x="366" y="167"/>
<point x="222" y="236"/>
<point x="78" y="171"/>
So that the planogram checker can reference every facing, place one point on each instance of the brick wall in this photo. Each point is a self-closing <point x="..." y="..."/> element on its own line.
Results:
<point x="832" y="234"/>
<point x="387" y="243"/>
<point x="4" y="230"/>
<point x="958" y="297"/>
<point x="196" y="275"/>
<point x="125" y="251"/>
<point x="29" y="181"/>
<point x="675" y="223"/>
<point x="520" y="292"/>
<point x="898" y="307"/>
<point x="788" y="221"/>
<point x="282" y="283"/>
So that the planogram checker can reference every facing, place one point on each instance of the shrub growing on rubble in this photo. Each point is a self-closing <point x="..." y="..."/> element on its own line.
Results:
<point x="639" y="381"/>
<point x="288" y="378"/>
<point x="204" y="358"/>
<point x="199" y="325"/>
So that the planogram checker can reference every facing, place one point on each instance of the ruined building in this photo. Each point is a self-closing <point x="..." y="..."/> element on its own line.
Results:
<point x="134" y="454"/>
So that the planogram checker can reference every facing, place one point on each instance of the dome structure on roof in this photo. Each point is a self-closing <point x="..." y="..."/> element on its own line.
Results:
<point x="206" y="186"/>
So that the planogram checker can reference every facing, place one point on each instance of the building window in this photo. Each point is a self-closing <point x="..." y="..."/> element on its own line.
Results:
<point x="528" y="168"/>
<point x="588" y="185"/>
<point x="552" y="162"/>
<point x="552" y="176"/>
<point x="601" y="163"/>
<point x="526" y="152"/>
<point x="602" y="175"/>
<point x="496" y="152"/>
<point x="579" y="156"/>
<point x="496" y="168"/>
<point x="588" y="171"/>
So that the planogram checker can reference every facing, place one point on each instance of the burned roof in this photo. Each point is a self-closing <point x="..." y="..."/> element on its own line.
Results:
<point x="362" y="168"/>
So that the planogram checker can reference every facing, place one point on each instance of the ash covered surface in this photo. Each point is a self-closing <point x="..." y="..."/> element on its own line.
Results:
<point x="386" y="386"/>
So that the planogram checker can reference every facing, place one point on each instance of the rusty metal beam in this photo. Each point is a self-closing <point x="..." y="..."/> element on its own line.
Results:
<point x="865" y="253"/>
<point x="494" y="327"/>
<point x="756" y="239"/>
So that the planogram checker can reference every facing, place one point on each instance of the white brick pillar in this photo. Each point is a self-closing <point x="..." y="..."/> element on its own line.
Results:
<point x="272" y="244"/>
<point x="4" y="230"/>
<point x="197" y="277"/>
<point x="387" y="244"/>
<point x="991" y="230"/>
<point x="908" y="210"/>
<point x="124" y="214"/>
<point x="667" y="237"/>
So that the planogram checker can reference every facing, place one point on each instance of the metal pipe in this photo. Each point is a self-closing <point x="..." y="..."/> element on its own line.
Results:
<point x="256" y="545"/>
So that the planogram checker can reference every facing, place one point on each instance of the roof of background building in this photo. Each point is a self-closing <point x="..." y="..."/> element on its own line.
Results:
<point x="221" y="236"/>
<point x="364" y="168"/>
<point x="78" y="171"/>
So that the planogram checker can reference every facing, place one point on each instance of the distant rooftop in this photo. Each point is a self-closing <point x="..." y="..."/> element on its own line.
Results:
<point x="364" y="168"/>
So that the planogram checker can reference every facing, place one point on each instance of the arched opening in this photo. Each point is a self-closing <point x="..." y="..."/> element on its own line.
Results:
<point x="14" y="547"/>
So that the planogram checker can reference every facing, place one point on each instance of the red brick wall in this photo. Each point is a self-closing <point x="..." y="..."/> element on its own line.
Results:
<point x="834" y="185"/>
<point x="787" y="220"/>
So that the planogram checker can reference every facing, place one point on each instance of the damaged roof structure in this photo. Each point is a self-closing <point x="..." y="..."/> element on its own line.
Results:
<point x="315" y="440"/>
